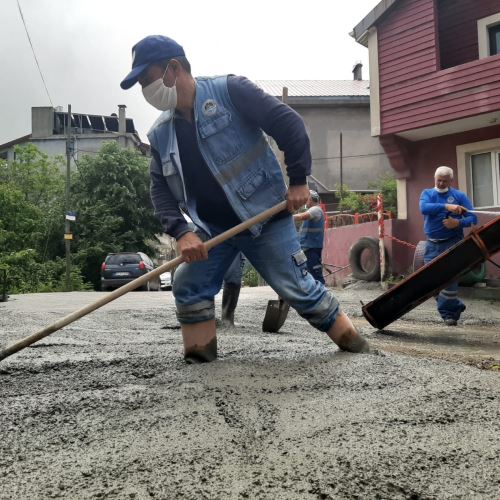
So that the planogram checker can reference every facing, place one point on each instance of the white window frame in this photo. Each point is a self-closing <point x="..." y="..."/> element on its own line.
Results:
<point x="483" y="35"/>
<point x="494" y="176"/>
<point x="464" y="153"/>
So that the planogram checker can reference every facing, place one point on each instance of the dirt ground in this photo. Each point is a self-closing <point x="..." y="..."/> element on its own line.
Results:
<point x="106" y="408"/>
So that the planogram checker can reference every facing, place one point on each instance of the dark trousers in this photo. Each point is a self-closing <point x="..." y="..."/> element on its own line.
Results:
<point x="448" y="304"/>
<point x="314" y="265"/>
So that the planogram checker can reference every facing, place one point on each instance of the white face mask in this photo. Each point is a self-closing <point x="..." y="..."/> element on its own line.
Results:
<point x="159" y="95"/>
<point x="445" y="190"/>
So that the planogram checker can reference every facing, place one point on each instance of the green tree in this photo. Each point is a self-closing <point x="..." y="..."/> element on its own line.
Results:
<point x="31" y="200"/>
<point x="386" y="185"/>
<point x="364" y="203"/>
<point x="32" y="222"/>
<point x="110" y="194"/>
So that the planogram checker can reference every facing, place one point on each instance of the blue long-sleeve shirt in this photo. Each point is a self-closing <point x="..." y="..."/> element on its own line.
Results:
<point x="432" y="207"/>
<point x="276" y="119"/>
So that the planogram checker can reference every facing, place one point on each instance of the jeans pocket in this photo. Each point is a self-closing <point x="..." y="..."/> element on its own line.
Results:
<point x="299" y="262"/>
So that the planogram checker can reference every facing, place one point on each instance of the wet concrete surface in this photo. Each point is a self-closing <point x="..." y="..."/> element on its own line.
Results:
<point x="106" y="408"/>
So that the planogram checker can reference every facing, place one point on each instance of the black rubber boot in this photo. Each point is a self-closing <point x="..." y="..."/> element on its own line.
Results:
<point x="230" y="295"/>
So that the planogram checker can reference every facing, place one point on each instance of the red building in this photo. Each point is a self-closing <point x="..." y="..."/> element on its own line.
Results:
<point x="435" y="100"/>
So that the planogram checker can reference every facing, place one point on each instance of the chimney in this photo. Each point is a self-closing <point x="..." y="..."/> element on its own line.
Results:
<point x="122" y="126"/>
<point x="42" y="122"/>
<point x="357" y="71"/>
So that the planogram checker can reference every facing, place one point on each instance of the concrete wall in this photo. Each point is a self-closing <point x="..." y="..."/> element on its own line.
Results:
<point x="42" y="121"/>
<point x="364" y="159"/>
<point x="83" y="144"/>
<point x="339" y="240"/>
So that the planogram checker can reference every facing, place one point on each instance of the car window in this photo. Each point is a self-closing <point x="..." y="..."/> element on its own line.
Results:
<point x="119" y="259"/>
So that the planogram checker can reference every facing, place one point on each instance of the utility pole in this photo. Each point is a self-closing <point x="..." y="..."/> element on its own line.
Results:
<point x="68" y="236"/>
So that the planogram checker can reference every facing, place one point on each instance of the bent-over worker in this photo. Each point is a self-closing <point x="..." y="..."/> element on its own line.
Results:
<point x="211" y="159"/>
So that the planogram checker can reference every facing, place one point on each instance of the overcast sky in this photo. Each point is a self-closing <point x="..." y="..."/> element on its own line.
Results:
<point x="84" y="48"/>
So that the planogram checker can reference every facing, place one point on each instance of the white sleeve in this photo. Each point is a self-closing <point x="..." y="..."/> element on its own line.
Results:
<point x="315" y="212"/>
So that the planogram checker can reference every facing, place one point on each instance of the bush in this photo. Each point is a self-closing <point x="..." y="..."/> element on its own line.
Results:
<point x="364" y="203"/>
<point x="250" y="276"/>
<point x="27" y="275"/>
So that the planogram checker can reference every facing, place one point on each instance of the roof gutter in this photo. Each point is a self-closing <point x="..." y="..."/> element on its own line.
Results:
<point x="329" y="101"/>
<point x="360" y="32"/>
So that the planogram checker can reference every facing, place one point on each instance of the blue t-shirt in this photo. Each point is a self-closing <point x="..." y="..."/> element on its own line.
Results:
<point x="432" y="206"/>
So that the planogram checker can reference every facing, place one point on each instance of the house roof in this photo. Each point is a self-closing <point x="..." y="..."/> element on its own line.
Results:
<point x="316" y="88"/>
<point x="320" y="92"/>
<point x="360" y="32"/>
<point x="20" y="140"/>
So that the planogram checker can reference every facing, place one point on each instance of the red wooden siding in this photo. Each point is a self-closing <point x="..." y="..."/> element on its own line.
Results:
<point x="414" y="92"/>
<point x="457" y="22"/>
<point x="407" y="42"/>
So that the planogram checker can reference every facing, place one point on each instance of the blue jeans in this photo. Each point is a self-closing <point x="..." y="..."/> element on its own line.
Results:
<point x="314" y="265"/>
<point x="277" y="257"/>
<point x="235" y="271"/>
<point x="449" y="305"/>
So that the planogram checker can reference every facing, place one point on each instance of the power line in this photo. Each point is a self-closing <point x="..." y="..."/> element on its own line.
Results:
<point x="348" y="156"/>
<point x="34" y="54"/>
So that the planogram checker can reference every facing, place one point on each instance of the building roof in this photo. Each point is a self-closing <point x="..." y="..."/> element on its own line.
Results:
<point x="317" y="88"/>
<point x="360" y="32"/>
<point x="20" y="140"/>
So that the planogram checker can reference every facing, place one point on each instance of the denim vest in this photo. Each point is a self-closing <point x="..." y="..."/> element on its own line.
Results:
<point x="236" y="152"/>
<point x="312" y="233"/>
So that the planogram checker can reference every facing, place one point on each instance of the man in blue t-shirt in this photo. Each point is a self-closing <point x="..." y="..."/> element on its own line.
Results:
<point x="446" y="213"/>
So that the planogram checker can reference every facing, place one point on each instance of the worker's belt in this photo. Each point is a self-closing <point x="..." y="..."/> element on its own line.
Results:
<point x="439" y="241"/>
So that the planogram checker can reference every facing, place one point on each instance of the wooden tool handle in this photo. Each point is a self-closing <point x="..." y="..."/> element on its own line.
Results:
<point x="66" y="320"/>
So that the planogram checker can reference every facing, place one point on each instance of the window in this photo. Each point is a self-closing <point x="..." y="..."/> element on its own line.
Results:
<point x="494" y="36"/>
<point x="488" y="33"/>
<point x="484" y="177"/>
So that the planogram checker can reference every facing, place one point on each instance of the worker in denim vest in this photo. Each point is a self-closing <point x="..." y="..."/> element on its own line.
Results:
<point x="311" y="235"/>
<point x="211" y="160"/>
<point x="445" y="212"/>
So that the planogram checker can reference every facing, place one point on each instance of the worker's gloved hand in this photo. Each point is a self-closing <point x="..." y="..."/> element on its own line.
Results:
<point x="455" y="209"/>
<point x="451" y="223"/>
<point x="191" y="247"/>
<point x="296" y="197"/>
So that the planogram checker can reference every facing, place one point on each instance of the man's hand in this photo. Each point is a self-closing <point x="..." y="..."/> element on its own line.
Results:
<point x="302" y="216"/>
<point x="296" y="197"/>
<point x="191" y="247"/>
<point x="451" y="223"/>
<point x="455" y="209"/>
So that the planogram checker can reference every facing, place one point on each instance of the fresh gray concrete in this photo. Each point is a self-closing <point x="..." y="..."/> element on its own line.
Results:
<point x="106" y="408"/>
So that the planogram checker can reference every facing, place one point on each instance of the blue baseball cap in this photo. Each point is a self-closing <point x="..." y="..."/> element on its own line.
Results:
<point x="151" y="49"/>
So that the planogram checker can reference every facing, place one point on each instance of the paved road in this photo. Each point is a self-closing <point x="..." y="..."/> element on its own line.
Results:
<point x="106" y="408"/>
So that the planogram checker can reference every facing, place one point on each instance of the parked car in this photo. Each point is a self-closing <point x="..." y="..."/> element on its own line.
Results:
<point x="166" y="280"/>
<point x="121" y="268"/>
